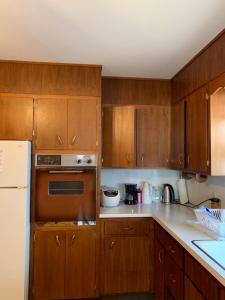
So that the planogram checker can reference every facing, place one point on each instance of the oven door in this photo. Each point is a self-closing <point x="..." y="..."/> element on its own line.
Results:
<point x="65" y="195"/>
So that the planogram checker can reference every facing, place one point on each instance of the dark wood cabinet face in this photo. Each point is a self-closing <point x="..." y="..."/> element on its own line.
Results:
<point x="119" y="137"/>
<point x="81" y="260"/>
<point x="159" y="273"/>
<point x="153" y="135"/>
<point x="49" y="264"/>
<point x="197" y="135"/>
<point x="126" y="264"/>
<point x="178" y="135"/>
<point x="16" y="118"/>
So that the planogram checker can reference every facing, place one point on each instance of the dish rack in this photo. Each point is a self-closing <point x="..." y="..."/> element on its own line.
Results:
<point x="212" y="219"/>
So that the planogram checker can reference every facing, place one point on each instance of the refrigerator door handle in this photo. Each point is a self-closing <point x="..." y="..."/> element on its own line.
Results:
<point x="21" y="187"/>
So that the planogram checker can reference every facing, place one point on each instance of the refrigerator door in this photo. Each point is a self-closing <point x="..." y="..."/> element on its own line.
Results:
<point x="14" y="243"/>
<point x="15" y="161"/>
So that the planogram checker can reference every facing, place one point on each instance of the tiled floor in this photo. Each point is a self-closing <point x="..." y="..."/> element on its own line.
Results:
<point x="130" y="297"/>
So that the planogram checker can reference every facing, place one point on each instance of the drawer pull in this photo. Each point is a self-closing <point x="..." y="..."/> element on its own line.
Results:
<point x="73" y="239"/>
<point x="57" y="240"/>
<point x="112" y="244"/>
<point x="59" y="140"/>
<point x="127" y="228"/>
<point x="172" y="250"/>
<point x="160" y="256"/>
<point x="172" y="278"/>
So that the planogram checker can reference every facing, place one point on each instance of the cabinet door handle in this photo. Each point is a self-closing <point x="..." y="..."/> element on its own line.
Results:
<point x="142" y="158"/>
<point x="112" y="244"/>
<point x="172" y="278"/>
<point x="127" y="228"/>
<point x="172" y="250"/>
<point x="73" y="239"/>
<point x="160" y="256"/>
<point x="74" y="139"/>
<point x="59" y="140"/>
<point x="188" y="160"/>
<point x="57" y="240"/>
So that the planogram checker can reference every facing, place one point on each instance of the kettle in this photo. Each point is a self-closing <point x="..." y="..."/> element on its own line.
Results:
<point x="168" y="194"/>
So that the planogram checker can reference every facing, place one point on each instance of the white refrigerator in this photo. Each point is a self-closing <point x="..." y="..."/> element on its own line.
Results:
<point x="15" y="169"/>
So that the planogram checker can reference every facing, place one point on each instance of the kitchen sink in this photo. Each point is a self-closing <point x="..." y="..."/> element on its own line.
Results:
<point x="215" y="250"/>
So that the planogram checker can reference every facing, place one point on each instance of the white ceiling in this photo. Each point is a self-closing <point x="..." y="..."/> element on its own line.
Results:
<point x="141" y="38"/>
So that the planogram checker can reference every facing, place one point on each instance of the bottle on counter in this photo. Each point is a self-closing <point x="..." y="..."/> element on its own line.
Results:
<point x="139" y="196"/>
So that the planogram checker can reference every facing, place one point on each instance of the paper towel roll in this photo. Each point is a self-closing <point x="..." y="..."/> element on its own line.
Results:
<point x="182" y="190"/>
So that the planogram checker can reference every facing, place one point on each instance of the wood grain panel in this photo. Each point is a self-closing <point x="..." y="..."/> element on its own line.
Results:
<point x="190" y="291"/>
<point x="153" y="136"/>
<point x="131" y="91"/>
<point x="197" y="131"/>
<point x="82" y="123"/>
<point x="71" y="80"/>
<point x="16" y="118"/>
<point x="51" y="123"/>
<point x="49" y="264"/>
<point x="178" y="135"/>
<point x="20" y="78"/>
<point x="201" y="278"/>
<point x="81" y="257"/>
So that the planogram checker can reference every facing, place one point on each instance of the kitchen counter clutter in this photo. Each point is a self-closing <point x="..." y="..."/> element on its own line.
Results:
<point x="178" y="221"/>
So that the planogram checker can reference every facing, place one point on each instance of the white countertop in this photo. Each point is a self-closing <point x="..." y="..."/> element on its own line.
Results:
<point x="178" y="221"/>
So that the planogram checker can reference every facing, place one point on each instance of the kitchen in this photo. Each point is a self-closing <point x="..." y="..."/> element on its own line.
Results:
<point x="83" y="124"/>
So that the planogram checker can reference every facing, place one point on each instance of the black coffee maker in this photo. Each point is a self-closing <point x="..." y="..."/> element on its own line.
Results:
<point x="131" y="194"/>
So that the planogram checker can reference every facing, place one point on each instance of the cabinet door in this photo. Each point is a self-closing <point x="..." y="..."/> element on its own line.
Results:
<point x="16" y="118"/>
<point x="51" y="123"/>
<point x="178" y="135"/>
<point x="153" y="136"/>
<point x="82" y="123"/>
<point x="159" y="265"/>
<point x="126" y="265"/>
<point x="81" y="264"/>
<point x="49" y="264"/>
<point x="119" y="137"/>
<point x="190" y="291"/>
<point x="197" y="131"/>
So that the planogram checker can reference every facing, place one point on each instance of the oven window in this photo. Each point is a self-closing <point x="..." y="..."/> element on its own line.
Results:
<point x="65" y="188"/>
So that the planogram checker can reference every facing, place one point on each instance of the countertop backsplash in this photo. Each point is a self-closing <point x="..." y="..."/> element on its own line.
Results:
<point x="118" y="177"/>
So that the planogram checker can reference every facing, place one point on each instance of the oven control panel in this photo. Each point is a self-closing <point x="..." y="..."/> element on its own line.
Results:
<point x="65" y="160"/>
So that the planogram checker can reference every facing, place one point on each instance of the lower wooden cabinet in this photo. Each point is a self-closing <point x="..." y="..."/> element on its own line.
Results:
<point x="190" y="291"/>
<point x="65" y="264"/>
<point x="159" y="273"/>
<point x="127" y="257"/>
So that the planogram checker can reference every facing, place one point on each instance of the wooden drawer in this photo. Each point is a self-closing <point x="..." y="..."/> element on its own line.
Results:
<point x="173" y="278"/>
<point x="171" y="246"/>
<point x="206" y="284"/>
<point x="127" y="227"/>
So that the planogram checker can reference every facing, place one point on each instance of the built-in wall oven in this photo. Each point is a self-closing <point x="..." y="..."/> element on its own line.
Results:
<point x="65" y="187"/>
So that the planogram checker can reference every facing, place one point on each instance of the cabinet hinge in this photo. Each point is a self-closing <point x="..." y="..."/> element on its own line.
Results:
<point x="206" y="96"/>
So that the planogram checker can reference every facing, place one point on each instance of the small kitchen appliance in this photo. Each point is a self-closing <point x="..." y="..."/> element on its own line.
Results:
<point x="168" y="194"/>
<point x="110" y="197"/>
<point x="131" y="194"/>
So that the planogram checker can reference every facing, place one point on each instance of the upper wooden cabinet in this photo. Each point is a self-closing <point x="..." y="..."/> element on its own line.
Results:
<point x="153" y="140"/>
<point x="66" y="123"/>
<point x="16" y="117"/>
<point x="178" y="135"/>
<point x="197" y="158"/>
<point x="119" y="137"/>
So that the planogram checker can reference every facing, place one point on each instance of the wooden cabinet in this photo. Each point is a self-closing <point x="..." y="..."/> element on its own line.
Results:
<point x="119" y="137"/>
<point x="66" y="123"/>
<point x="127" y="264"/>
<point x="159" y="263"/>
<point x="16" y="117"/>
<point x="178" y="135"/>
<point x="190" y="291"/>
<point x="83" y="117"/>
<point x="136" y="136"/>
<point x="65" y="264"/>
<point x="51" y="123"/>
<point x="153" y="136"/>
<point x="49" y="264"/>
<point x="197" y="132"/>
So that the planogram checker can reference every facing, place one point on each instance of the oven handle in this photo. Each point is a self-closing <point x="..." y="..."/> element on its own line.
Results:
<point x="66" y="172"/>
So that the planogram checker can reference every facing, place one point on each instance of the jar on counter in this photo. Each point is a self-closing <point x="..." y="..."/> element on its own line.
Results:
<point x="215" y="203"/>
